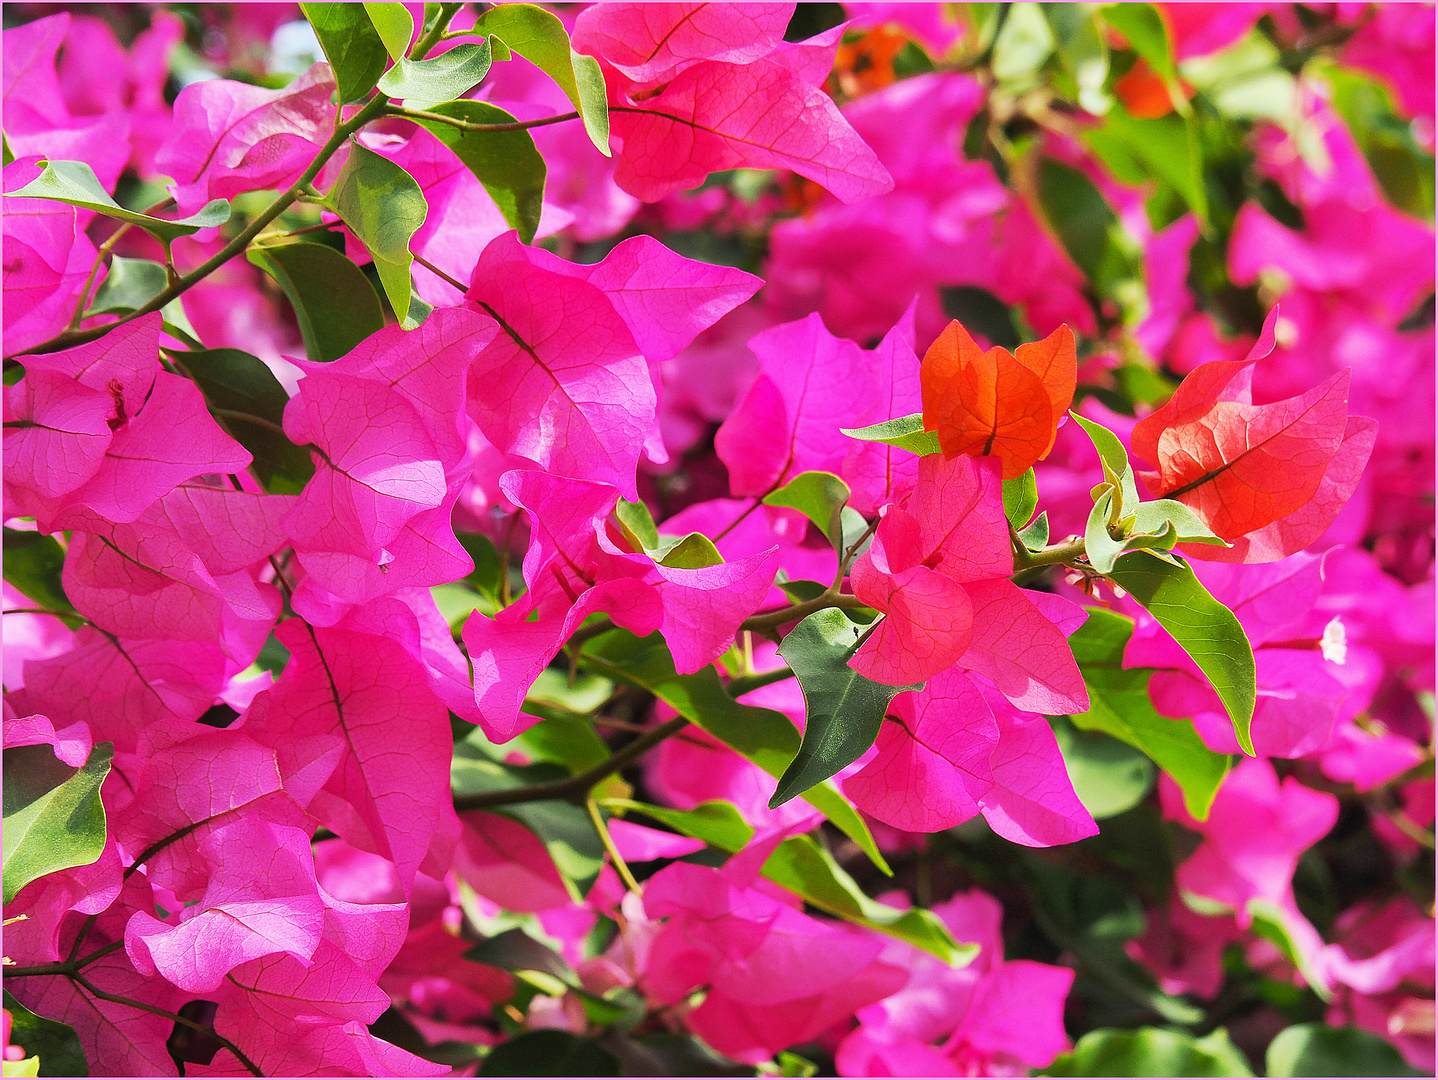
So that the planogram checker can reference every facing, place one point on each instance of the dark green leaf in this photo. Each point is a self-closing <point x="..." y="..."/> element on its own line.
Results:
<point x="905" y="432"/>
<point x="1206" y="630"/>
<point x="1276" y="924"/>
<point x="1147" y="35"/>
<point x="514" y="950"/>
<point x="982" y="313"/>
<point x="488" y="573"/>
<point x="75" y="183"/>
<point x="1402" y="167"/>
<point x="1108" y="776"/>
<point x="1119" y="705"/>
<point x="1093" y="916"/>
<point x="1087" y="227"/>
<point x="333" y="301"/>
<point x="843" y="710"/>
<point x="801" y="592"/>
<point x="568" y="836"/>
<point x="449" y="75"/>
<point x="242" y="384"/>
<point x="394" y="26"/>
<point x="1151" y="1052"/>
<point x="766" y="738"/>
<point x="539" y="37"/>
<point x="549" y="1053"/>
<point x="505" y="162"/>
<point x="1021" y="499"/>
<point x="384" y="207"/>
<point x="1320" y="1050"/>
<point x="352" y="45"/>
<point x="820" y="497"/>
<point x="33" y="562"/>
<point x="53" y="816"/>
<point x="55" y="1044"/>
<point x="130" y="284"/>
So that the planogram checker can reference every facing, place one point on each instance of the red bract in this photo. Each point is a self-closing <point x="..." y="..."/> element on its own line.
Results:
<point x="1268" y="478"/>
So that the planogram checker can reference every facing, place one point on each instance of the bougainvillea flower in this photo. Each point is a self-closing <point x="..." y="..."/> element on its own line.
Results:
<point x="776" y="977"/>
<point x="389" y="794"/>
<point x="229" y="137"/>
<point x="785" y="424"/>
<point x="989" y="1016"/>
<point x="101" y="426"/>
<point x="996" y="402"/>
<point x="1253" y="837"/>
<point x="574" y="569"/>
<point x="1267" y="478"/>
<point x="654" y="42"/>
<point x="939" y="560"/>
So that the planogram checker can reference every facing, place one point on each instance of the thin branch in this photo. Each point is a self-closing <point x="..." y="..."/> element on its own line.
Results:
<point x="250" y="418"/>
<point x="176" y="1017"/>
<point x="436" y="33"/>
<point x="437" y="272"/>
<point x="574" y="785"/>
<point x="745" y="683"/>
<point x="620" y="866"/>
<point x="772" y="620"/>
<point x="68" y="338"/>
<point x="468" y="125"/>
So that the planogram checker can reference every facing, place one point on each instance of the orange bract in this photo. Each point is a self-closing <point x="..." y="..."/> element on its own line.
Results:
<point x="981" y="403"/>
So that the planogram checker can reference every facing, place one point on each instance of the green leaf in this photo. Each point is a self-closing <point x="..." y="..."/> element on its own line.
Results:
<point x="1087" y="227"/>
<point x="1151" y="1052"/>
<point x="981" y="312"/>
<point x="53" y="816"/>
<point x="506" y="163"/>
<point x="55" y="1044"/>
<point x="1093" y="916"/>
<point x="794" y="1065"/>
<point x="1108" y="776"/>
<point x="130" y="284"/>
<point x="764" y="737"/>
<point x="75" y="183"/>
<point x="1151" y="517"/>
<point x="449" y="75"/>
<point x="1023" y="43"/>
<point x="692" y="552"/>
<point x="33" y="562"/>
<point x="637" y="524"/>
<point x="1320" y="1050"/>
<point x="549" y="1052"/>
<point x="905" y="432"/>
<point x="1206" y="630"/>
<point x="1168" y="147"/>
<point x="384" y="207"/>
<point x="820" y="497"/>
<point x="843" y="710"/>
<point x="240" y="383"/>
<point x="1247" y="81"/>
<point x="539" y="37"/>
<point x="1101" y="549"/>
<point x="1147" y="35"/>
<point x="1036" y="536"/>
<point x="514" y="950"/>
<point x="1274" y="924"/>
<point x="1021" y="499"/>
<point x="353" y="46"/>
<point x="394" y="26"/>
<point x="1119" y="705"/>
<point x="1084" y="53"/>
<point x="1116" y="468"/>
<point x="1402" y="167"/>
<point x="334" y="303"/>
<point x="808" y="870"/>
